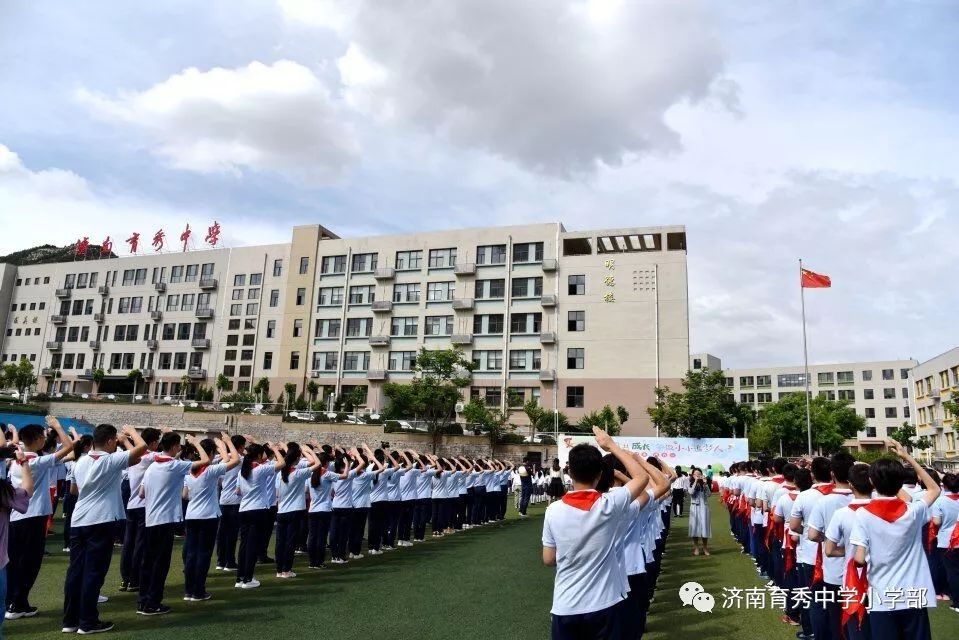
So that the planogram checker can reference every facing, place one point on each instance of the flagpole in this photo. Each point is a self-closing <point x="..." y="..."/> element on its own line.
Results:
<point x="805" y="349"/>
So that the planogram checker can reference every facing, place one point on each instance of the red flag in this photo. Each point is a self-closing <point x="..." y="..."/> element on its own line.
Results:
<point x="812" y="280"/>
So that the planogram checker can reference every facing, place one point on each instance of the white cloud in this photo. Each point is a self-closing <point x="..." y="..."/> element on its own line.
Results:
<point x="556" y="87"/>
<point x="278" y="117"/>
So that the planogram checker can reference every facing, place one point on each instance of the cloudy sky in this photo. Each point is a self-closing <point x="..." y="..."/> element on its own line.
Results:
<point x="820" y="130"/>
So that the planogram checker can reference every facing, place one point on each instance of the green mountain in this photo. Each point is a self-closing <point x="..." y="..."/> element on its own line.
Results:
<point x="48" y="253"/>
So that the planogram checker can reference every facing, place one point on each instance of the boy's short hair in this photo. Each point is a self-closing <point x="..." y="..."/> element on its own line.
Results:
<point x="887" y="476"/>
<point x="951" y="482"/>
<point x="803" y="479"/>
<point x="859" y="479"/>
<point x="103" y="433"/>
<point x="821" y="468"/>
<point x="169" y="440"/>
<point x="238" y="442"/>
<point x="779" y="464"/>
<point x="840" y="464"/>
<point x="909" y="476"/>
<point x="789" y="472"/>
<point x="151" y="435"/>
<point x="585" y="463"/>
<point x="32" y="433"/>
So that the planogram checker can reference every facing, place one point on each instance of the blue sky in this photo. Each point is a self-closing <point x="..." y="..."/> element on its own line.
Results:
<point x="816" y="129"/>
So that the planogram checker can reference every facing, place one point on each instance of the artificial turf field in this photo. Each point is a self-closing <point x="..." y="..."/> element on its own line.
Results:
<point x="487" y="583"/>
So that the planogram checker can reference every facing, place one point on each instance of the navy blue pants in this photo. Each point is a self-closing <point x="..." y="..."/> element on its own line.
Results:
<point x="525" y="492"/>
<point x="91" y="549"/>
<point x="340" y="533"/>
<point x="197" y="552"/>
<point x="905" y="624"/>
<point x="599" y="625"/>
<point x="357" y="528"/>
<point x="316" y="541"/>
<point x="227" y="535"/>
<point x="421" y="516"/>
<point x="479" y="505"/>
<point x="27" y="540"/>
<point x="156" y="563"/>
<point x="405" y="527"/>
<point x="252" y="525"/>
<point x="634" y="625"/>
<point x="287" y="528"/>
<point x="825" y="616"/>
<point x="134" y="539"/>
<point x="804" y="574"/>
<point x="377" y="526"/>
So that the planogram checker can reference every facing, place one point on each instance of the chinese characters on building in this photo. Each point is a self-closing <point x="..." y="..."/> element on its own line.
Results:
<point x="211" y="239"/>
<point x="609" y="280"/>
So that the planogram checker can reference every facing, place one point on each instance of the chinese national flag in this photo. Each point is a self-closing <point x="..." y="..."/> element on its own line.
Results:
<point x="812" y="280"/>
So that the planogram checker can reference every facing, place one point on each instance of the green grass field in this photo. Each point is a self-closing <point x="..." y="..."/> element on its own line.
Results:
<point x="486" y="583"/>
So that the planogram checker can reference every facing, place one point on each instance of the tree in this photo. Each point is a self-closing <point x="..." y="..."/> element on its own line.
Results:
<point x="704" y="409"/>
<point x="833" y="422"/>
<point x="184" y="386"/>
<point x="289" y="394"/>
<point x="907" y="437"/>
<point x="490" y="421"/>
<point x="534" y="413"/>
<point x="20" y="376"/>
<point x="622" y="414"/>
<point x="432" y="395"/>
<point x="136" y="375"/>
<point x="605" y="418"/>
<point x="222" y="383"/>
<point x="355" y="398"/>
<point x="951" y="407"/>
<point x="311" y="390"/>
<point x="262" y="389"/>
<point x="98" y="375"/>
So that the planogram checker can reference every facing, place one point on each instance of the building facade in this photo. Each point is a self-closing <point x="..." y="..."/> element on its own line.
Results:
<point x="878" y="391"/>
<point x="932" y="383"/>
<point x="574" y="320"/>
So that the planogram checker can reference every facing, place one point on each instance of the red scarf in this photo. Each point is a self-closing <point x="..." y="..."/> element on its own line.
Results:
<point x="857" y="585"/>
<point x="582" y="500"/>
<point x="778" y="479"/>
<point x="198" y="472"/>
<point x="789" y="551"/>
<point x="162" y="459"/>
<point x="825" y="489"/>
<point x="889" y="510"/>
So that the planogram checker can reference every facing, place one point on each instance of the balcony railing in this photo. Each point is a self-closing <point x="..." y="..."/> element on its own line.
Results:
<point x="64" y="293"/>
<point x="382" y="306"/>
<point x="463" y="304"/>
<point x="196" y="373"/>
<point x="156" y="316"/>
<point x="204" y="314"/>
<point x="147" y="374"/>
<point x="549" y="300"/>
<point x="550" y="264"/>
<point x="152" y="345"/>
<point x="465" y="269"/>
<point x="95" y="345"/>
<point x="54" y="345"/>
<point x="58" y="319"/>
<point x="208" y="284"/>
<point x="201" y="343"/>
<point x="104" y="290"/>
<point x="462" y="338"/>
<point x="47" y="372"/>
<point x="98" y="318"/>
<point x="384" y="273"/>
<point x="376" y="374"/>
<point x="160" y="287"/>
<point x="379" y="341"/>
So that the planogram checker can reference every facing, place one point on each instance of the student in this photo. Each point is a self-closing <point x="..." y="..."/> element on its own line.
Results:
<point x="362" y="489"/>
<point x="131" y="553"/>
<point x="320" y="511"/>
<point x="81" y="445"/>
<point x="408" y="488"/>
<point x="421" y="514"/>
<point x="345" y="467"/>
<point x="97" y="477"/>
<point x="379" y="503"/>
<point x="228" y="530"/>
<point x="203" y="513"/>
<point x="945" y="516"/>
<point x="887" y="532"/>
<point x="755" y="493"/>
<point x="580" y="535"/>
<point x="162" y="492"/>
<point x="256" y="487"/>
<point x="438" y="495"/>
<point x="12" y="500"/>
<point x="393" y="498"/>
<point x="806" y="549"/>
<point x="526" y="486"/>
<point x="28" y="530"/>
<point x="854" y="622"/>
<point x="556" y="486"/>
<point x="771" y="490"/>
<point x="825" y="611"/>
<point x="801" y="480"/>
<point x="291" y="505"/>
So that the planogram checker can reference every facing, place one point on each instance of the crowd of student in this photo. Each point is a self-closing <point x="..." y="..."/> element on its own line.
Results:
<point x="858" y="552"/>
<point x="227" y="496"/>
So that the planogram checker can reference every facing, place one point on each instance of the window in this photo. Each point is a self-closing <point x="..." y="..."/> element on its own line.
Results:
<point x="576" y="321"/>
<point x="239" y="280"/>
<point x="408" y="260"/>
<point x="490" y="289"/>
<point x="439" y="325"/>
<point x="325" y="328"/>
<point x="362" y="294"/>
<point x="183" y="331"/>
<point x="333" y="264"/>
<point x="442" y="258"/>
<point x="364" y="262"/>
<point x="325" y="361"/>
<point x="408" y="292"/>
<point x="169" y="330"/>
<point x="868" y="394"/>
<point x="575" y="397"/>
<point x="887" y="374"/>
<point x="845" y="377"/>
<point x="127" y="277"/>
<point x="488" y="324"/>
<point x="524" y="359"/>
<point x="764" y="398"/>
<point x="440" y="291"/>
<point x="270" y="328"/>
<point x="905" y="411"/>
<point x="277" y="268"/>
<point x="491" y="254"/>
<point x="330" y="297"/>
<point x="888" y="393"/>
<point x="527" y="323"/>
<point x="764" y="381"/>
<point x="747" y="398"/>
<point x="402" y="360"/>
<point x="575" y="358"/>
<point x="747" y="381"/>
<point x="847" y="395"/>
<point x="891" y="412"/>
<point x="576" y="285"/>
<point x="294" y="360"/>
<point x="791" y="380"/>
<point x="866" y="375"/>
<point x="904" y="374"/>
<point x="252" y="294"/>
<point x="905" y="393"/>
<point x="236" y="309"/>
<point x="404" y="326"/>
<point x="274" y="297"/>
<point x="297" y="327"/>
<point x="488" y="360"/>
<point x="252" y="309"/>
<point x="192" y="271"/>
<point x="186" y="302"/>
<point x="528" y="252"/>
<point x="356" y="360"/>
<point x="527" y="287"/>
<point x="358" y="327"/>
<point x="304" y="265"/>
<point x="825" y="378"/>
<point x="828" y="394"/>
<point x="300" y="296"/>
<point x="237" y="294"/>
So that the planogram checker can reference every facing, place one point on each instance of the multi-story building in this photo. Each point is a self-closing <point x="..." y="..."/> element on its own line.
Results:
<point x="575" y="320"/>
<point x="700" y="361"/>
<point x="933" y="382"/>
<point x="878" y="391"/>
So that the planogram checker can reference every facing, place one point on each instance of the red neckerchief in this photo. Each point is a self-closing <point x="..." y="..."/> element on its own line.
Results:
<point x="825" y="488"/>
<point x="198" y="472"/>
<point x="889" y="510"/>
<point x="582" y="500"/>
<point x="855" y="582"/>
<point x="778" y="479"/>
<point x="954" y="538"/>
<point x="952" y="496"/>
<point x="161" y="459"/>
<point x="27" y="457"/>
<point x="931" y="532"/>
<point x="853" y="506"/>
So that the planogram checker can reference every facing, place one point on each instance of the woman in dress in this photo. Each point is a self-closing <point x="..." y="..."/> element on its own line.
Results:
<point x="699" y="528"/>
<point x="556" y="487"/>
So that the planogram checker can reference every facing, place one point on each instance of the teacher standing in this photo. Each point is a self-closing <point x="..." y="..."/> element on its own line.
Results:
<point x="699" y="527"/>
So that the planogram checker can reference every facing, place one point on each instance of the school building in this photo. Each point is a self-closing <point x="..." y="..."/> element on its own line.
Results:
<point x="573" y="319"/>
<point x="935" y="383"/>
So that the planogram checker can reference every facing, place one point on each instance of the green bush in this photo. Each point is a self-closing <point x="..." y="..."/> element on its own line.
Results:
<point x="28" y="409"/>
<point x="871" y="455"/>
<point x="547" y="440"/>
<point x="511" y="438"/>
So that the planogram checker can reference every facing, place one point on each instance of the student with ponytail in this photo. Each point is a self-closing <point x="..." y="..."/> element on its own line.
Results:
<point x="345" y="466"/>
<point x="229" y="528"/>
<point x="403" y="466"/>
<point x="291" y="505"/>
<point x="362" y="500"/>
<point x="421" y="513"/>
<point x="379" y="503"/>
<point x="407" y="494"/>
<point x="256" y="487"/>
<point x="321" y="510"/>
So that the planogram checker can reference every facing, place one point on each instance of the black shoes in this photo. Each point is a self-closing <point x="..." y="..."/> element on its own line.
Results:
<point x="158" y="610"/>
<point x="99" y="627"/>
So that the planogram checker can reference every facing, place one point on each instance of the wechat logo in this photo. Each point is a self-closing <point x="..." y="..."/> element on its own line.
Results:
<point x="693" y="594"/>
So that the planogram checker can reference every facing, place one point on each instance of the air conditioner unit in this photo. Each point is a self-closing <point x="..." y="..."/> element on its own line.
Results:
<point x="459" y="407"/>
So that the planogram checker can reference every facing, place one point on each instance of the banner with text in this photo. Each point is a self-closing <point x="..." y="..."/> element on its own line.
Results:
<point x="718" y="452"/>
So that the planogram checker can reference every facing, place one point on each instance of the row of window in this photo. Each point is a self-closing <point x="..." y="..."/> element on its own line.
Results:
<point x="412" y="260"/>
<point x="33" y="306"/>
<point x="26" y="281"/>
<point x="826" y="377"/>
<point x="848" y="395"/>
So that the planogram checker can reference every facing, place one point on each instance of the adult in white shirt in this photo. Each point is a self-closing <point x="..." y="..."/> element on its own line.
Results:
<point x="888" y="541"/>
<point x="203" y="514"/>
<point x="97" y="477"/>
<point x="162" y="492"/>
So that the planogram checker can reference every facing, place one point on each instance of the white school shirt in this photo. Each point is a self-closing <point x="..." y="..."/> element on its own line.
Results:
<point x="819" y="518"/>
<point x="201" y="488"/>
<point x="163" y="490"/>
<point x="408" y="484"/>
<point x="342" y="490"/>
<point x="589" y="574"/>
<point x="424" y="483"/>
<point x="452" y="484"/>
<point x="98" y="476"/>
<point x="897" y="560"/>
<point x="135" y="477"/>
<point x="756" y="490"/>
<point x="42" y="470"/>
<point x="292" y="493"/>
<point x="782" y="508"/>
<point x="633" y="554"/>
<point x="228" y="494"/>
<point x="381" y="488"/>
<point x="321" y="496"/>
<point x="438" y="483"/>
<point x="802" y="509"/>
<point x="492" y="482"/>
<point x="946" y="508"/>
<point x="257" y="491"/>
<point x="393" y="493"/>
<point x="838" y="530"/>
<point x="361" y="488"/>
